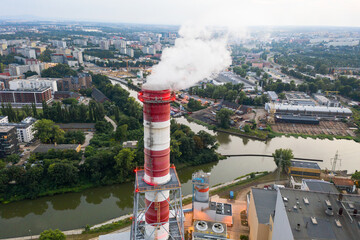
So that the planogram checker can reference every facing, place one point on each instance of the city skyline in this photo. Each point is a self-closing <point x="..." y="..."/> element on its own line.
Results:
<point x="214" y="12"/>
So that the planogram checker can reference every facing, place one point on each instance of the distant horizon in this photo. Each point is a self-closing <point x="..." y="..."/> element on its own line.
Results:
<point x="235" y="14"/>
<point x="36" y="19"/>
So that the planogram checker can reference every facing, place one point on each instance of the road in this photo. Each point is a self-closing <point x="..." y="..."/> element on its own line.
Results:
<point x="111" y="121"/>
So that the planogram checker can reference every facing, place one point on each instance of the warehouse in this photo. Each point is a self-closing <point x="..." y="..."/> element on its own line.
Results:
<point x="317" y="111"/>
<point x="297" y="119"/>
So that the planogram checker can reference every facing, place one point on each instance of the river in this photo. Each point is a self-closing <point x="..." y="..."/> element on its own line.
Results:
<point x="92" y="206"/>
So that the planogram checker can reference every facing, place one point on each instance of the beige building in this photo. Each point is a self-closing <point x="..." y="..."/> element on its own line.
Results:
<point x="261" y="210"/>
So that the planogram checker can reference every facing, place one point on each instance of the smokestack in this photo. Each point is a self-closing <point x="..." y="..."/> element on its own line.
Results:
<point x="156" y="109"/>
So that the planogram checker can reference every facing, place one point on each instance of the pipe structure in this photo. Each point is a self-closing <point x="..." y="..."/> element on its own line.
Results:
<point x="156" y="110"/>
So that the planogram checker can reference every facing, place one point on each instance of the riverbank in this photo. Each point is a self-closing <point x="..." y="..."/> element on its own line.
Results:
<point x="118" y="223"/>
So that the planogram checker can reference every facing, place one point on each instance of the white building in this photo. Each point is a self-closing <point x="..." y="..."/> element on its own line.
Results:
<point x="34" y="84"/>
<point x="78" y="54"/>
<point x="149" y="50"/>
<point x="58" y="43"/>
<point x="27" y="52"/>
<point x="24" y="129"/>
<point x="4" y="119"/>
<point x="127" y="51"/>
<point x="104" y="45"/>
<point x="16" y="69"/>
<point x="81" y="42"/>
<point x="119" y="44"/>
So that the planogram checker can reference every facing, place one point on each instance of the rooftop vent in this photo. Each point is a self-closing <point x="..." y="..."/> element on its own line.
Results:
<point x="295" y="207"/>
<point x="338" y="223"/>
<point x="286" y="199"/>
<point x="329" y="211"/>
<point x="351" y="206"/>
<point x="201" y="226"/>
<point x="218" y="228"/>
<point x="306" y="201"/>
<point x="313" y="220"/>
<point x="328" y="203"/>
<point x="297" y="227"/>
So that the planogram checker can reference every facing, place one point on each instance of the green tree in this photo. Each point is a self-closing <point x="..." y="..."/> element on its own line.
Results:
<point x="121" y="132"/>
<point x="124" y="162"/>
<point x="52" y="235"/>
<point x="194" y="105"/>
<point x="282" y="158"/>
<point x="45" y="56"/>
<point x="247" y="128"/>
<point x="13" y="158"/>
<point x="30" y="73"/>
<point x="63" y="174"/>
<point x="356" y="175"/>
<point x="70" y="101"/>
<point x="48" y="132"/>
<point x="223" y="117"/>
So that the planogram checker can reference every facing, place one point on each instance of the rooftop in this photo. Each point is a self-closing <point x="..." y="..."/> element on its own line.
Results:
<point x="343" y="182"/>
<point x="265" y="201"/>
<point x="5" y="129"/>
<point x="314" y="222"/>
<point x="302" y="164"/>
<point x="44" y="148"/>
<point x="320" y="186"/>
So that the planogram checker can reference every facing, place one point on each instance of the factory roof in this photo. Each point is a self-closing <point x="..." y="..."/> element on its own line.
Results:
<point x="273" y="96"/>
<point x="44" y="148"/>
<point x="286" y="107"/>
<point x="310" y="220"/>
<point x="302" y="164"/>
<point x="265" y="201"/>
<point x="320" y="186"/>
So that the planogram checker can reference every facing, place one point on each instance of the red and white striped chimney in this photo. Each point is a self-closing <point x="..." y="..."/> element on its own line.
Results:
<point x="157" y="159"/>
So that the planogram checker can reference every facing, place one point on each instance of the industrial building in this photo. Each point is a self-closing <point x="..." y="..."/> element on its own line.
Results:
<point x="297" y="119"/>
<point x="324" y="101"/>
<point x="285" y="214"/>
<point x="273" y="96"/>
<point x="304" y="169"/>
<point x="321" y="112"/>
<point x="8" y="141"/>
<point x="21" y="97"/>
<point x="299" y="98"/>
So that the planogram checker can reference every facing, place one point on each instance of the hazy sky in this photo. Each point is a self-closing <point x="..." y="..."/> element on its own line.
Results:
<point x="224" y="12"/>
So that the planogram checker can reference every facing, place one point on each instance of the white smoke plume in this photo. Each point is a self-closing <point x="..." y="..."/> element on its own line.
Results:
<point x="197" y="54"/>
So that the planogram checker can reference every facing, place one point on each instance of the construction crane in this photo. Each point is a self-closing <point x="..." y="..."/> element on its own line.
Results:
<point x="327" y="92"/>
<point x="334" y="161"/>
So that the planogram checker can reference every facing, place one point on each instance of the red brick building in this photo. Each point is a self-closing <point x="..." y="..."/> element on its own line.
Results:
<point x="19" y="98"/>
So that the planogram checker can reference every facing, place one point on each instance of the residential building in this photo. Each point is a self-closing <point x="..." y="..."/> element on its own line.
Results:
<point x="16" y="69"/>
<point x="81" y="42"/>
<point x="66" y="94"/>
<point x="120" y="44"/>
<point x="24" y="129"/>
<point x="58" y="58"/>
<point x="82" y="81"/>
<point x="78" y="54"/>
<point x="4" y="119"/>
<point x="27" y="52"/>
<point x="104" y="44"/>
<point x="34" y="83"/>
<point x="344" y="184"/>
<point x="21" y="97"/>
<point x="8" y="141"/>
<point x="6" y="79"/>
